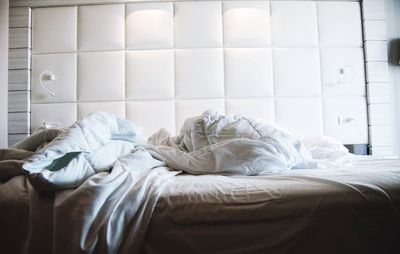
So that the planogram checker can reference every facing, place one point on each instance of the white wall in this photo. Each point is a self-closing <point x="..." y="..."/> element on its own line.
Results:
<point x="3" y="71"/>
<point x="393" y="33"/>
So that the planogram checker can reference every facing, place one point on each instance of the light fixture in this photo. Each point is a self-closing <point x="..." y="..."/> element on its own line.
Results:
<point x="346" y="74"/>
<point x="47" y="76"/>
<point x="48" y="125"/>
<point x="345" y="120"/>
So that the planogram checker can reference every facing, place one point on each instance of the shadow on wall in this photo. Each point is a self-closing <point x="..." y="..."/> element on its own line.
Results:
<point x="394" y="52"/>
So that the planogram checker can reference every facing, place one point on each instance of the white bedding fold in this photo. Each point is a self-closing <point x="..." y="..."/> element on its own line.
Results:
<point x="89" y="146"/>
<point x="117" y="186"/>
<point x="213" y="143"/>
<point x="117" y="181"/>
<point x="111" y="211"/>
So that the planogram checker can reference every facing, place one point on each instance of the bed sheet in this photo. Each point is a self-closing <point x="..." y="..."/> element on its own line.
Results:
<point x="350" y="209"/>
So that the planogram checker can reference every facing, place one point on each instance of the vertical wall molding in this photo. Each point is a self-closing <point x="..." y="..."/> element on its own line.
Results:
<point x="4" y="6"/>
<point x="19" y="68"/>
<point x="377" y="76"/>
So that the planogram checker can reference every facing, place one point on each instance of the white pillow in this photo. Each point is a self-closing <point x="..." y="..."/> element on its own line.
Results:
<point x="324" y="142"/>
<point x="327" y="151"/>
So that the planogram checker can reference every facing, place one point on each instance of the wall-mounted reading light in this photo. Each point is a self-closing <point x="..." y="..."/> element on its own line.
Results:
<point x="346" y="74"/>
<point x="47" y="125"/>
<point x="344" y="120"/>
<point x="47" y="76"/>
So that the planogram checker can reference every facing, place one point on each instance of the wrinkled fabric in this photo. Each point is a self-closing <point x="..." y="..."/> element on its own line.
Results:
<point x="217" y="144"/>
<point x="110" y="211"/>
<point x="89" y="146"/>
<point x="116" y="186"/>
<point x="350" y="209"/>
<point x="11" y="161"/>
<point x="15" y="212"/>
<point x="96" y="187"/>
<point x="37" y="140"/>
<point x="327" y="152"/>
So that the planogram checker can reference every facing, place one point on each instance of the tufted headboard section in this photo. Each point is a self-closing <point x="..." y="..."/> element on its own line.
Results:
<point x="299" y="64"/>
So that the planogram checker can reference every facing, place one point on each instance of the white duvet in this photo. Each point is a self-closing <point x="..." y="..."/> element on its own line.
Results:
<point x="217" y="144"/>
<point x="116" y="186"/>
<point x="117" y="180"/>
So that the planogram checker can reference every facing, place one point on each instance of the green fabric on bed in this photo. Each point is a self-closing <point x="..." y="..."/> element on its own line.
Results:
<point x="62" y="161"/>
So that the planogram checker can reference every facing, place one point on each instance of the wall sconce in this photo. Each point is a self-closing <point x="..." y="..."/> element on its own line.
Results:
<point x="47" y="76"/>
<point x="345" y="120"/>
<point x="346" y="74"/>
<point x="48" y="125"/>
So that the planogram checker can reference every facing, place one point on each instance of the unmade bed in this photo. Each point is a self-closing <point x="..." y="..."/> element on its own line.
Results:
<point x="352" y="209"/>
<point x="69" y="200"/>
<point x="222" y="185"/>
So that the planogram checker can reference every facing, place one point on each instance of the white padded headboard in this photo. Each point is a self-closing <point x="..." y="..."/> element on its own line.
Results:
<point x="299" y="64"/>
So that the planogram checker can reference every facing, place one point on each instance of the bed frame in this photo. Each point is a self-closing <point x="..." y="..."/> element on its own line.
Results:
<point x="299" y="64"/>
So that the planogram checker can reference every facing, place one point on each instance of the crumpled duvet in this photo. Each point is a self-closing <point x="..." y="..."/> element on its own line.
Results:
<point x="117" y="184"/>
<point x="230" y="145"/>
<point x="88" y="147"/>
<point x="106" y="184"/>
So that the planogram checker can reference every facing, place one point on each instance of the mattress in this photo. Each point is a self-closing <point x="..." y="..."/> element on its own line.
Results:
<point x="351" y="209"/>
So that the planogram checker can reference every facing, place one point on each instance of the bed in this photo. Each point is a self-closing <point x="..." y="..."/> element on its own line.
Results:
<point x="342" y="210"/>
<point x="297" y="64"/>
<point x="70" y="199"/>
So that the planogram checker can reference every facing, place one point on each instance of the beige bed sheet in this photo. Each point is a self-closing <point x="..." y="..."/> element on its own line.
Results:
<point x="354" y="209"/>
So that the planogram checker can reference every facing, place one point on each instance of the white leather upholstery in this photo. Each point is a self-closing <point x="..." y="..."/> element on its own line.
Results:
<point x="199" y="73"/>
<point x="198" y="24"/>
<point x="263" y="109"/>
<point x="297" y="72"/>
<point x="54" y="31"/>
<point x="302" y="116"/>
<point x="340" y="24"/>
<point x="246" y="24"/>
<point x="61" y="113"/>
<point x="158" y="33"/>
<point x="150" y="74"/>
<point x="250" y="69"/>
<point x="159" y="63"/>
<point x="346" y="118"/>
<point x="113" y="107"/>
<point x="63" y="66"/>
<point x="343" y="71"/>
<point x="294" y="24"/>
<point x="101" y="27"/>
<point x="101" y="76"/>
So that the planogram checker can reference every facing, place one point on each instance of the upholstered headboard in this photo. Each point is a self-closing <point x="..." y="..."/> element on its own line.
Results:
<point x="299" y="64"/>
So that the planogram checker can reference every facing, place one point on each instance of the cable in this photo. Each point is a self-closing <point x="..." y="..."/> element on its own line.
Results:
<point x="49" y="76"/>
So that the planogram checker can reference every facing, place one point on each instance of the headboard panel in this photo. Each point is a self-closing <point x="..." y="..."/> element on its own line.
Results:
<point x="298" y="64"/>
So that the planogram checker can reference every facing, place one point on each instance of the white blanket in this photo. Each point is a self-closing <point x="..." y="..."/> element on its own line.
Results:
<point x="230" y="145"/>
<point x="117" y="186"/>
<point x="89" y="146"/>
<point x="117" y="181"/>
